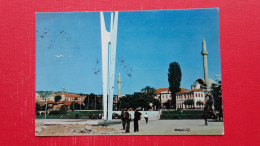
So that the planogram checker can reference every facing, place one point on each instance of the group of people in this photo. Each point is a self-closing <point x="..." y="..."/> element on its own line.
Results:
<point x="93" y="116"/>
<point x="126" y="119"/>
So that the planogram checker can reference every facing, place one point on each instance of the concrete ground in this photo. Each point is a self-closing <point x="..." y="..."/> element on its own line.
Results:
<point x="72" y="127"/>
<point x="175" y="127"/>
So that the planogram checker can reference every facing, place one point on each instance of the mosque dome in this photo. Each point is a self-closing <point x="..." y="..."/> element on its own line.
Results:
<point x="201" y="81"/>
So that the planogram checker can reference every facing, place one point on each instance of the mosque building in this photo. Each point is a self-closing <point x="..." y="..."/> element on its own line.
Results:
<point x="194" y="98"/>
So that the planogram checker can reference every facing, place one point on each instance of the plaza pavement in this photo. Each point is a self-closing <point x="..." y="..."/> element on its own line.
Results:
<point x="154" y="127"/>
<point x="174" y="127"/>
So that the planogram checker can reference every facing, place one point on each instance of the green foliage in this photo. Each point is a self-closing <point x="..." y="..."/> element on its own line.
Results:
<point x="182" y="114"/>
<point x="149" y="91"/>
<point x="76" y="115"/>
<point x="167" y="104"/>
<point x="54" y="112"/>
<point x="62" y="110"/>
<point x="70" y="115"/>
<point x="189" y="102"/>
<point x="93" y="102"/>
<point x="75" y="106"/>
<point x="140" y="99"/>
<point x="174" y="79"/>
<point x="217" y="95"/>
<point x="57" y="98"/>
<point x="37" y="107"/>
<point x="44" y="94"/>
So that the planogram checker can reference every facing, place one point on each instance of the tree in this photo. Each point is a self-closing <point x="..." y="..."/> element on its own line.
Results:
<point x="140" y="99"/>
<point x="62" y="110"/>
<point x="217" y="95"/>
<point x="174" y="79"/>
<point x="74" y="106"/>
<point x="167" y="104"/>
<point x="93" y="101"/>
<point x="149" y="91"/>
<point x="57" y="98"/>
<point x="189" y="102"/>
<point x="37" y="107"/>
<point x="147" y="97"/>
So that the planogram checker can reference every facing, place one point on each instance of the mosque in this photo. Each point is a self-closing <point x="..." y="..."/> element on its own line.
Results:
<point x="199" y="89"/>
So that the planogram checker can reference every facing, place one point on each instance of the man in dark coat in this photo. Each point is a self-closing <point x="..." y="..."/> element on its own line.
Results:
<point x="136" y="119"/>
<point x="123" y="119"/>
<point x="127" y="121"/>
<point x="206" y="114"/>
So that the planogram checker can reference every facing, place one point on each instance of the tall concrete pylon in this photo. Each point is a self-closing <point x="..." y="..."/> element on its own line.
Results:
<point x="204" y="53"/>
<point x="108" y="43"/>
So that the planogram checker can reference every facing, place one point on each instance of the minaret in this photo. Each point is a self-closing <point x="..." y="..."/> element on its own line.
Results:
<point x="63" y="94"/>
<point x="119" y="85"/>
<point x="204" y="53"/>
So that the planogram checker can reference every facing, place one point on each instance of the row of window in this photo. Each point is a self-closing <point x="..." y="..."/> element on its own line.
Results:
<point x="181" y="96"/>
<point x="189" y="96"/>
<point x="71" y="99"/>
<point x="166" y="96"/>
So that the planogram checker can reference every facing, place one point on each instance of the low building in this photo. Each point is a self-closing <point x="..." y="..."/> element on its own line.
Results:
<point x="184" y="98"/>
<point x="190" y="99"/>
<point x="164" y="95"/>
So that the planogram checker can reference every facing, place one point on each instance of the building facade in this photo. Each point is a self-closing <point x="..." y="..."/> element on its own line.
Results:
<point x="190" y="99"/>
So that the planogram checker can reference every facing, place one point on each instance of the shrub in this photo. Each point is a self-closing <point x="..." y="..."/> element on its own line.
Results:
<point x="62" y="110"/>
<point x="55" y="112"/>
<point x="76" y="116"/>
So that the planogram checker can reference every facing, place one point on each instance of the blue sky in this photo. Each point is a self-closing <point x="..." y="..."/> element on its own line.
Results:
<point x="68" y="49"/>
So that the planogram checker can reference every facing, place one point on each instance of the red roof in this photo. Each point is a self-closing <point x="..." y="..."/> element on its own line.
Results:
<point x="67" y="103"/>
<point x="160" y="90"/>
<point x="79" y="101"/>
<point x="50" y="102"/>
<point x="72" y="95"/>
<point x="57" y="106"/>
<point x="189" y="91"/>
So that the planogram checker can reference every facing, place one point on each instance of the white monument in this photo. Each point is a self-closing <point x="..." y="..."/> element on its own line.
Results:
<point x="108" y="43"/>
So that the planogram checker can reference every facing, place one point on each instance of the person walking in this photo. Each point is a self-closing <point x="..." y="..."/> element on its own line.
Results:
<point x="146" y="118"/>
<point x="123" y="119"/>
<point x="127" y="121"/>
<point x="136" y="119"/>
<point x="206" y="114"/>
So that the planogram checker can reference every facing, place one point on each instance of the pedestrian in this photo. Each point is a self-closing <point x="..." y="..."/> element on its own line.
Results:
<point x="136" y="119"/>
<point x="206" y="114"/>
<point x="123" y="119"/>
<point x="146" y="118"/>
<point x="127" y="121"/>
